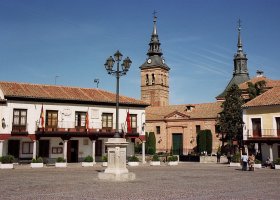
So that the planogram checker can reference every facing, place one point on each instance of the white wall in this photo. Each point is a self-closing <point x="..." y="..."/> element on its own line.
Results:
<point x="66" y="114"/>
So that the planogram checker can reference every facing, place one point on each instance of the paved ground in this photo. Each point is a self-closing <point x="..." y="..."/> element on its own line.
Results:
<point x="185" y="181"/>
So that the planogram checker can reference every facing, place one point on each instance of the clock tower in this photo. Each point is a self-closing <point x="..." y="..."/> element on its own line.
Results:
<point x="155" y="74"/>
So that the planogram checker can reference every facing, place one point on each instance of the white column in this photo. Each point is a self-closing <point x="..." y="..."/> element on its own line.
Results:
<point x="34" y="149"/>
<point x="93" y="150"/>
<point x="270" y="153"/>
<point x="143" y="152"/>
<point x="65" y="150"/>
<point x="1" y="147"/>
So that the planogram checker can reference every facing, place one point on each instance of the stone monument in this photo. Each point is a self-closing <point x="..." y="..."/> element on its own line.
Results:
<point x="116" y="169"/>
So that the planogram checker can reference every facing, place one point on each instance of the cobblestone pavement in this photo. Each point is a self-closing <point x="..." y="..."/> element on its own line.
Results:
<point x="185" y="181"/>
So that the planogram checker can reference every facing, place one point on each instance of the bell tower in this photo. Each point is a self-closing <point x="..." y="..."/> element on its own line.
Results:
<point x="240" y="71"/>
<point x="155" y="74"/>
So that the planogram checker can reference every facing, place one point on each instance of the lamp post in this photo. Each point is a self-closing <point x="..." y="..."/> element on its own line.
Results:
<point x="117" y="73"/>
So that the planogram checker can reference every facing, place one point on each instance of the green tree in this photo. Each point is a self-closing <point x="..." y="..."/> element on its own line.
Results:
<point x="230" y="119"/>
<point x="209" y="141"/>
<point x="255" y="89"/>
<point x="150" y="146"/>
<point x="147" y="142"/>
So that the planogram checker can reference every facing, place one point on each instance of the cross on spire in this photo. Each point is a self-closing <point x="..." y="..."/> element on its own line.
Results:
<point x="154" y="13"/>
<point x="239" y="24"/>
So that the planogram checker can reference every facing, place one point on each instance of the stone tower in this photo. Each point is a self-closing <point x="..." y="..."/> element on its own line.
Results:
<point x="240" y="71"/>
<point x="155" y="74"/>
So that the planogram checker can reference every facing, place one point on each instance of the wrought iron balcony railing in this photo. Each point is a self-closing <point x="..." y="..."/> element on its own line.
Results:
<point x="263" y="133"/>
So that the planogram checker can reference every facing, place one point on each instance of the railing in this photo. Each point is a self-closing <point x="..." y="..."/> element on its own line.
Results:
<point x="70" y="126"/>
<point x="263" y="133"/>
<point x="19" y="129"/>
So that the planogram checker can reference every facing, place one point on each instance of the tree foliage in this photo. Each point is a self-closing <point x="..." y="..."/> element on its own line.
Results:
<point x="255" y="89"/>
<point x="151" y="143"/>
<point x="230" y="119"/>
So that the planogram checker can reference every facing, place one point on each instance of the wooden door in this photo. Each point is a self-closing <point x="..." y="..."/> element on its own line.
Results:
<point x="13" y="148"/>
<point x="177" y="143"/>
<point x="44" y="146"/>
<point x="257" y="128"/>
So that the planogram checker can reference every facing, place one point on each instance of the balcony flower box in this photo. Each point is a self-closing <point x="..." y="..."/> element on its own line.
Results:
<point x="172" y="163"/>
<point x="277" y="166"/>
<point x="7" y="166"/>
<point x="133" y="164"/>
<point x="154" y="163"/>
<point x="155" y="160"/>
<point x="36" y="165"/>
<point x="88" y="161"/>
<point x="60" y="162"/>
<point x="133" y="161"/>
<point x="258" y="166"/>
<point x="88" y="164"/>
<point x="172" y="160"/>
<point x="277" y="163"/>
<point x="234" y="164"/>
<point x="6" y="162"/>
<point x="105" y="161"/>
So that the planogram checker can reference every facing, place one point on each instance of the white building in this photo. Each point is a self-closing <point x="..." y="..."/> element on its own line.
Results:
<point x="57" y="121"/>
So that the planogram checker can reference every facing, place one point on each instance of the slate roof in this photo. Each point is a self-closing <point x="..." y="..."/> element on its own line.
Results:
<point x="199" y="111"/>
<point x="236" y="79"/>
<point x="268" y="98"/>
<point x="55" y="92"/>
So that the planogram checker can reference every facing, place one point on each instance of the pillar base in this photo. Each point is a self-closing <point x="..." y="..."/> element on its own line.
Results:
<point x="116" y="177"/>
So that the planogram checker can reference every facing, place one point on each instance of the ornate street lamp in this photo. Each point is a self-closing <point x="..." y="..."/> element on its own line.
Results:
<point x="118" y="73"/>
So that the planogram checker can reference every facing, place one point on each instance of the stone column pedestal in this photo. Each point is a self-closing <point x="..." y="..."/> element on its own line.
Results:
<point x="116" y="170"/>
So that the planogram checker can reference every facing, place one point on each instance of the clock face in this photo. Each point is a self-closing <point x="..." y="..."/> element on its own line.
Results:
<point x="149" y="61"/>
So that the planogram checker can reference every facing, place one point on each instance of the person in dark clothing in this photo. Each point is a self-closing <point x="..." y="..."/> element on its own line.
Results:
<point x="218" y="157"/>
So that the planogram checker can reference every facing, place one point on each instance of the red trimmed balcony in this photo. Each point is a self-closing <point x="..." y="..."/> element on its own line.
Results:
<point x="19" y="130"/>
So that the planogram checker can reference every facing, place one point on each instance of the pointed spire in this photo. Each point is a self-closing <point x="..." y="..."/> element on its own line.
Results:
<point x="239" y="43"/>
<point x="155" y="26"/>
<point x="154" y="43"/>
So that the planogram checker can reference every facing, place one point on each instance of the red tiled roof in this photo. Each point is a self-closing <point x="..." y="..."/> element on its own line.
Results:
<point x="269" y="83"/>
<point x="54" y="92"/>
<point x="268" y="98"/>
<point x="204" y="110"/>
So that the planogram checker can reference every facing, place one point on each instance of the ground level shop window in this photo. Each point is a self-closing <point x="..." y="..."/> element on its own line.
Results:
<point x="27" y="148"/>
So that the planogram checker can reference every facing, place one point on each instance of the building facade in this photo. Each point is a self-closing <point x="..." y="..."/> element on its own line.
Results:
<point x="176" y="126"/>
<point x="57" y="121"/>
<point x="261" y="131"/>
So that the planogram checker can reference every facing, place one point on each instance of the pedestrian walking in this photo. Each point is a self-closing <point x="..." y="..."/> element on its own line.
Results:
<point x="244" y="159"/>
<point x="251" y="161"/>
<point x="218" y="156"/>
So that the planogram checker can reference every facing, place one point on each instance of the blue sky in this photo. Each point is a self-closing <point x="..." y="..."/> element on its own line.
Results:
<point x="41" y="39"/>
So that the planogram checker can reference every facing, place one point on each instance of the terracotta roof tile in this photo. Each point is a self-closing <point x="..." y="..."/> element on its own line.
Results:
<point x="269" y="83"/>
<point x="204" y="110"/>
<point x="268" y="98"/>
<point x="54" y="92"/>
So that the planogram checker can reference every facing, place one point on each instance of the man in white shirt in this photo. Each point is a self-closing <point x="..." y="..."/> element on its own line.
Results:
<point x="244" y="159"/>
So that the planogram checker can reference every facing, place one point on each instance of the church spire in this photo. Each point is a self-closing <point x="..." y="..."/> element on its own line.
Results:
<point x="240" y="71"/>
<point x="155" y="26"/>
<point x="240" y="59"/>
<point x="239" y="43"/>
<point x="154" y="43"/>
